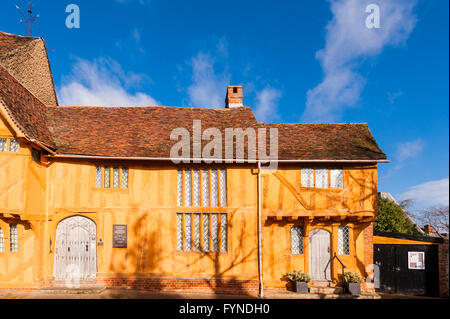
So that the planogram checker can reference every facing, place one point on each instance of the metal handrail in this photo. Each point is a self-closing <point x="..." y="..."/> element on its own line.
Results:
<point x="343" y="267"/>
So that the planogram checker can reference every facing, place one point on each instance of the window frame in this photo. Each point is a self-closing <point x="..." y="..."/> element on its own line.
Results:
<point x="328" y="168"/>
<point x="202" y="178"/>
<point x="341" y="250"/>
<point x="222" y="237"/>
<point x="13" y="238"/>
<point x="302" y="241"/>
<point x="111" y="167"/>
<point x="2" y="241"/>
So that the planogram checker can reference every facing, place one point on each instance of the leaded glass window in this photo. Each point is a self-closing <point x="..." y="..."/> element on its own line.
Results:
<point x="205" y="219"/>
<point x="205" y="188"/>
<point x="187" y="231"/>
<point x="3" y="144"/>
<point x="13" y="238"/>
<point x="116" y="172"/>
<point x="215" y="232"/>
<point x="98" y="176"/>
<point x="179" y="231"/>
<point x="2" y="243"/>
<point x="343" y="240"/>
<point x="124" y="177"/>
<point x="197" y="245"/>
<point x="196" y="176"/>
<point x="187" y="188"/>
<point x="336" y="177"/>
<point x="322" y="178"/>
<point x="194" y="232"/>
<point x="107" y="178"/>
<point x="214" y="188"/>
<point x="202" y="187"/>
<point x="223" y="187"/>
<point x="296" y="240"/>
<point x="180" y="188"/>
<point x="223" y="232"/>
<point x="307" y="177"/>
<point x="13" y="145"/>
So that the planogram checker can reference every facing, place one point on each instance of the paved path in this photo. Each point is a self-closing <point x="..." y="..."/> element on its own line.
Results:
<point x="140" y="294"/>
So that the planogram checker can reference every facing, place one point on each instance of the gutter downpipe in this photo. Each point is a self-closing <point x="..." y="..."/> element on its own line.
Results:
<point x="261" y="284"/>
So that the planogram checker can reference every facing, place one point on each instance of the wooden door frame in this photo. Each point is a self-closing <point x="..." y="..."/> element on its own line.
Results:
<point x="311" y="233"/>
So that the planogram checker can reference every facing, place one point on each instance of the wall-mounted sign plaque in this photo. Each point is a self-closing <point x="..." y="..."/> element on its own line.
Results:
<point x="119" y="236"/>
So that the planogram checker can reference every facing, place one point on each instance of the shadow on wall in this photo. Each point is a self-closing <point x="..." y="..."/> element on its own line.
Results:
<point x="145" y="260"/>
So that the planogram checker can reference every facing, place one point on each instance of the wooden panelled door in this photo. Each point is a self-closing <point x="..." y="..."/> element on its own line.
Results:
<point x="319" y="255"/>
<point x="75" y="250"/>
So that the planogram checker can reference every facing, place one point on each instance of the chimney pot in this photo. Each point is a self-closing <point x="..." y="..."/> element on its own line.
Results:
<point x="235" y="97"/>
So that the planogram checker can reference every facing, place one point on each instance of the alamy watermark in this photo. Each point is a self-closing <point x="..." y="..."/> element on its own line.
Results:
<point x="73" y="19"/>
<point x="238" y="146"/>
<point x="373" y="19"/>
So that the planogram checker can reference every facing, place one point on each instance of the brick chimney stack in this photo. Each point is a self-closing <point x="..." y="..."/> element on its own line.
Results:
<point x="235" y="97"/>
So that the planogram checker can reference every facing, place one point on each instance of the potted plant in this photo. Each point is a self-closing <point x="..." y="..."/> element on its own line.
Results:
<point x="299" y="280"/>
<point x="352" y="283"/>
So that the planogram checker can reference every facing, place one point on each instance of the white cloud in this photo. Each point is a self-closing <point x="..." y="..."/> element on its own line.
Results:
<point x="392" y="97"/>
<point x="136" y="35"/>
<point x="208" y="88"/>
<point x="429" y="193"/>
<point x="267" y="104"/>
<point x="102" y="82"/>
<point x="348" y="40"/>
<point x="409" y="150"/>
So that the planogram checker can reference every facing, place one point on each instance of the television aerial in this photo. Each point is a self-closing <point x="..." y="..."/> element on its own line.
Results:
<point x="28" y="17"/>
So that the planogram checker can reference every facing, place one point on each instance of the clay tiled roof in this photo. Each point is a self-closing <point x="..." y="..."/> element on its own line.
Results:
<point x="11" y="42"/>
<point x="133" y="131"/>
<point x="25" y="58"/>
<point x="346" y="141"/>
<point x="27" y="112"/>
<point x="145" y="132"/>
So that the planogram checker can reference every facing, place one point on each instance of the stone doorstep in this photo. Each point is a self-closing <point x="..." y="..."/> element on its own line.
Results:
<point x="294" y="295"/>
<point x="57" y="290"/>
<point x="324" y="287"/>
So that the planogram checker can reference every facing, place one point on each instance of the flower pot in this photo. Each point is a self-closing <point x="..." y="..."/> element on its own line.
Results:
<point x="301" y="287"/>
<point x="353" y="288"/>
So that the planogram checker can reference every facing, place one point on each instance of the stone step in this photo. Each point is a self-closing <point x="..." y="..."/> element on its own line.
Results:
<point x="293" y="295"/>
<point x="325" y="290"/>
<point x="68" y="290"/>
<point x="321" y="284"/>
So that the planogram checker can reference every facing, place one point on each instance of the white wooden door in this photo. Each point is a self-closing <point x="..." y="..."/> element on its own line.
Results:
<point x="319" y="255"/>
<point x="75" y="249"/>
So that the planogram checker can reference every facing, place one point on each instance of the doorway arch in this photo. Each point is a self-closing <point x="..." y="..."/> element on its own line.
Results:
<point x="319" y="255"/>
<point x="75" y="249"/>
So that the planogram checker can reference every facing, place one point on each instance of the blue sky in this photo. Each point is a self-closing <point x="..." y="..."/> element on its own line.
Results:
<point x="299" y="61"/>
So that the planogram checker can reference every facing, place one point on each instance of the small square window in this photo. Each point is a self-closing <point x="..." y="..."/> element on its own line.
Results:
<point x="13" y="238"/>
<point x="124" y="177"/>
<point x="2" y="243"/>
<point x="343" y="240"/>
<point x="307" y="176"/>
<point x="115" y="177"/>
<point x="13" y="145"/>
<point x="336" y="178"/>
<point x="296" y="240"/>
<point x="98" y="177"/>
<point x="107" y="182"/>
<point x="3" y="142"/>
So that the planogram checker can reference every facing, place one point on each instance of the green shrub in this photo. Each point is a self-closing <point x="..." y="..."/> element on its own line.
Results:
<point x="351" y="277"/>
<point x="298" y="276"/>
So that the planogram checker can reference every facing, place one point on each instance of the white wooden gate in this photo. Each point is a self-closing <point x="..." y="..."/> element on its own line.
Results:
<point x="319" y="255"/>
<point x="75" y="250"/>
